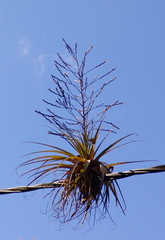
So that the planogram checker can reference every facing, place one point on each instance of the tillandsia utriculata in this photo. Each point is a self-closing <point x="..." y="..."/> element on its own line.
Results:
<point x="80" y="120"/>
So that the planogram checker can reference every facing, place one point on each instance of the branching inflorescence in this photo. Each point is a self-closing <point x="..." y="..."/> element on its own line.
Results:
<point x="79" y="120"/>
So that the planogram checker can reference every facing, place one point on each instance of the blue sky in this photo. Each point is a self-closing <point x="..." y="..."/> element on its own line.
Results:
<point x="131" y="34"/>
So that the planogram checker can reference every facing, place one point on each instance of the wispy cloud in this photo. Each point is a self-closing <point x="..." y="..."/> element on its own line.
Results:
<point x="38" y="62"/>
<point x="40" y="65"/>
<point x="24" y="46"/>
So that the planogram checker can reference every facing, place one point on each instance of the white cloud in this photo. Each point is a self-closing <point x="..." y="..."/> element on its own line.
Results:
<point x="24" y="46"/>
<point x="40" y="65"/>
<point x="38" y="62"/>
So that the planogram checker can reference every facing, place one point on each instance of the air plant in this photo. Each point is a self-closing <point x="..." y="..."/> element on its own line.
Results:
<point x="77" y="117"/>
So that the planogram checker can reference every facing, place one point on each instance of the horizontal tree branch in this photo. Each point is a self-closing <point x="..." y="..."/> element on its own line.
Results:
<point x="110" y="176"/>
